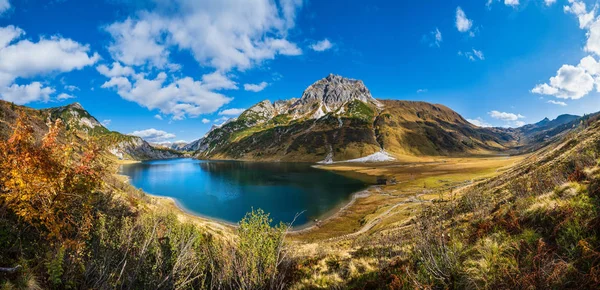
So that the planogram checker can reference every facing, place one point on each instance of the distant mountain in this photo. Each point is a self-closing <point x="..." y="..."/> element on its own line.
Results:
<point x="77" y="118"/>
<point x="336" y="118"/>
<point x="547" y="124"/>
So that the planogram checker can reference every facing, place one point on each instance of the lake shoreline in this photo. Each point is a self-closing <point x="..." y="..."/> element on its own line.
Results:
<point x="175" y="205"/>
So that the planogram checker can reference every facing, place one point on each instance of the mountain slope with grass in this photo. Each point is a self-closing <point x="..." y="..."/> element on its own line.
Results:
<point x="534" y="226"/>
<point x="77" y="119"/>
<point x="337" y="119"/>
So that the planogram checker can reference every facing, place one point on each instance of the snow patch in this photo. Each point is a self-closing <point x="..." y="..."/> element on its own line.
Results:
<point x="380" y="156"/>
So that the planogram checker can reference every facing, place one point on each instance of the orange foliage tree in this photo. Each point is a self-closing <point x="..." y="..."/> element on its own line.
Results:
<point x="50" y="184"/>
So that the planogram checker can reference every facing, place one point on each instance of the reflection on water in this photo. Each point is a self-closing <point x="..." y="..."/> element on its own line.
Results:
<point x="226" y="190"/>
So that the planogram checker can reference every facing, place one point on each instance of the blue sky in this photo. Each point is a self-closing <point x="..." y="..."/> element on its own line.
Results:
<point x="180" y="66"/>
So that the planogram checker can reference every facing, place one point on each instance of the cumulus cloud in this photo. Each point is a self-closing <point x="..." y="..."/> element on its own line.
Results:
<point x="575" y="82"/>
<point x="479" y="122"/>
<point x="153" y="135"/>
<point x="579" y="9"/>
<point x="572" y="82"/>
<point x="255" y="87"/>
<point x="205" y="121"/>
<point x="549" y="2"/>
<point x="179" y="97"/>
<point x="220" y="34"/>
<point x="511" y="3"/>
<point x="158" y="117"/>
<point x="231" y="112"/>
<point x="23" y="94"/>
<point x="106" y="122"/>
<point x="322" y="45"/>
<point x="505" y="116"/>
<point x="557" y="103"/>
<point x="23" y="59"/>
<point x="226" y="36"/>
<point x="463" y="24"/>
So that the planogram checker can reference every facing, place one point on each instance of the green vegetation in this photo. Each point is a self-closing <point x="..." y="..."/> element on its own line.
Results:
<point x="361" y="111"/>
<point x="67" y="223"/>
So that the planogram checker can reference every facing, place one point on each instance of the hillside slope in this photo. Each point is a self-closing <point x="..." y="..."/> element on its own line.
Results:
<point x="337" y="119"/>
<point x="77" y="118"/>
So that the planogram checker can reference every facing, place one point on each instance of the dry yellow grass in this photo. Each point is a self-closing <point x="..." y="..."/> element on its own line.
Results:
<point x="417" y="182"/>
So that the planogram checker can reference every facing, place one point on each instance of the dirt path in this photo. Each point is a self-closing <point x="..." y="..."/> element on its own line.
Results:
<point x="415" y="199"/>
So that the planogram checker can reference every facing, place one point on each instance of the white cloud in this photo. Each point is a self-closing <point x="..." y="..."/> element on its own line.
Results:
<point x="117" y="70"/>
<point x="549" y="2"/>
<point x="226" y="36"/>
<point x="140" y="41"/>
<point x="505" y="116"/>
<point x="479" y="122"/>
<point x="26" y="59"/>
<point x="153" y="135"/>
<point x="575" y="82"/>
<point x="579" y="9"/>
<point x="422" y="91"/>
<point x="64" y="96"/>
<point x="4" y="6"/>
<point x="106" y="122"/>
<point x="519" y="124"/>
<point x="322" y="45"/>
<point x="511" y="2"/>
<point x="71" y="88"/>
<point x="557" y="103"/>
<point x="158" y="116"/>
<point x="255" y="87"/>
<point x="571" y="82"/>
<point x="463" y="24"/>
<point x="437" y="36"/>
<point x="205" y="121"/>
<point x="219" y="34"/>
<point x="434" y="38"/>
<point x="472" y="55"/>
<point x="23" y="94"/>
<point x="231" y="112"/>
<point x="178" y="97"/>
<point x="221" y="120"/>
<point x="218" y="81"/>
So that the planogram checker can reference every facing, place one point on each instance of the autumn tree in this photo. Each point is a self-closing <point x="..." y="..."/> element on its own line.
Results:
<point x="50" y="184"/>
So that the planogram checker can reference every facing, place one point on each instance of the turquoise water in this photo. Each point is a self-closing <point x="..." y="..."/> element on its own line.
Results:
<point x="227" y="190"/>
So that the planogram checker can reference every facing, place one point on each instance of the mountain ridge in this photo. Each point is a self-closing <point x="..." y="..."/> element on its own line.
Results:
<point x="337" y="118"/>
<point x="75" y="117"/>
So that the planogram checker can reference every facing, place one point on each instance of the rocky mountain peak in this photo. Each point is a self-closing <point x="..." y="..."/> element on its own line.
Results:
<point x="76" y="105"/>
<point x="332" y="93"/>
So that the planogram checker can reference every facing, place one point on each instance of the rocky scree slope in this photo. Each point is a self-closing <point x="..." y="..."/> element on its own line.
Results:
<point x="336" y="119"/>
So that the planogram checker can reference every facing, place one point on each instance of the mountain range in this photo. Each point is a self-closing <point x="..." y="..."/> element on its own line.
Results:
<point x="335" y="119"/>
